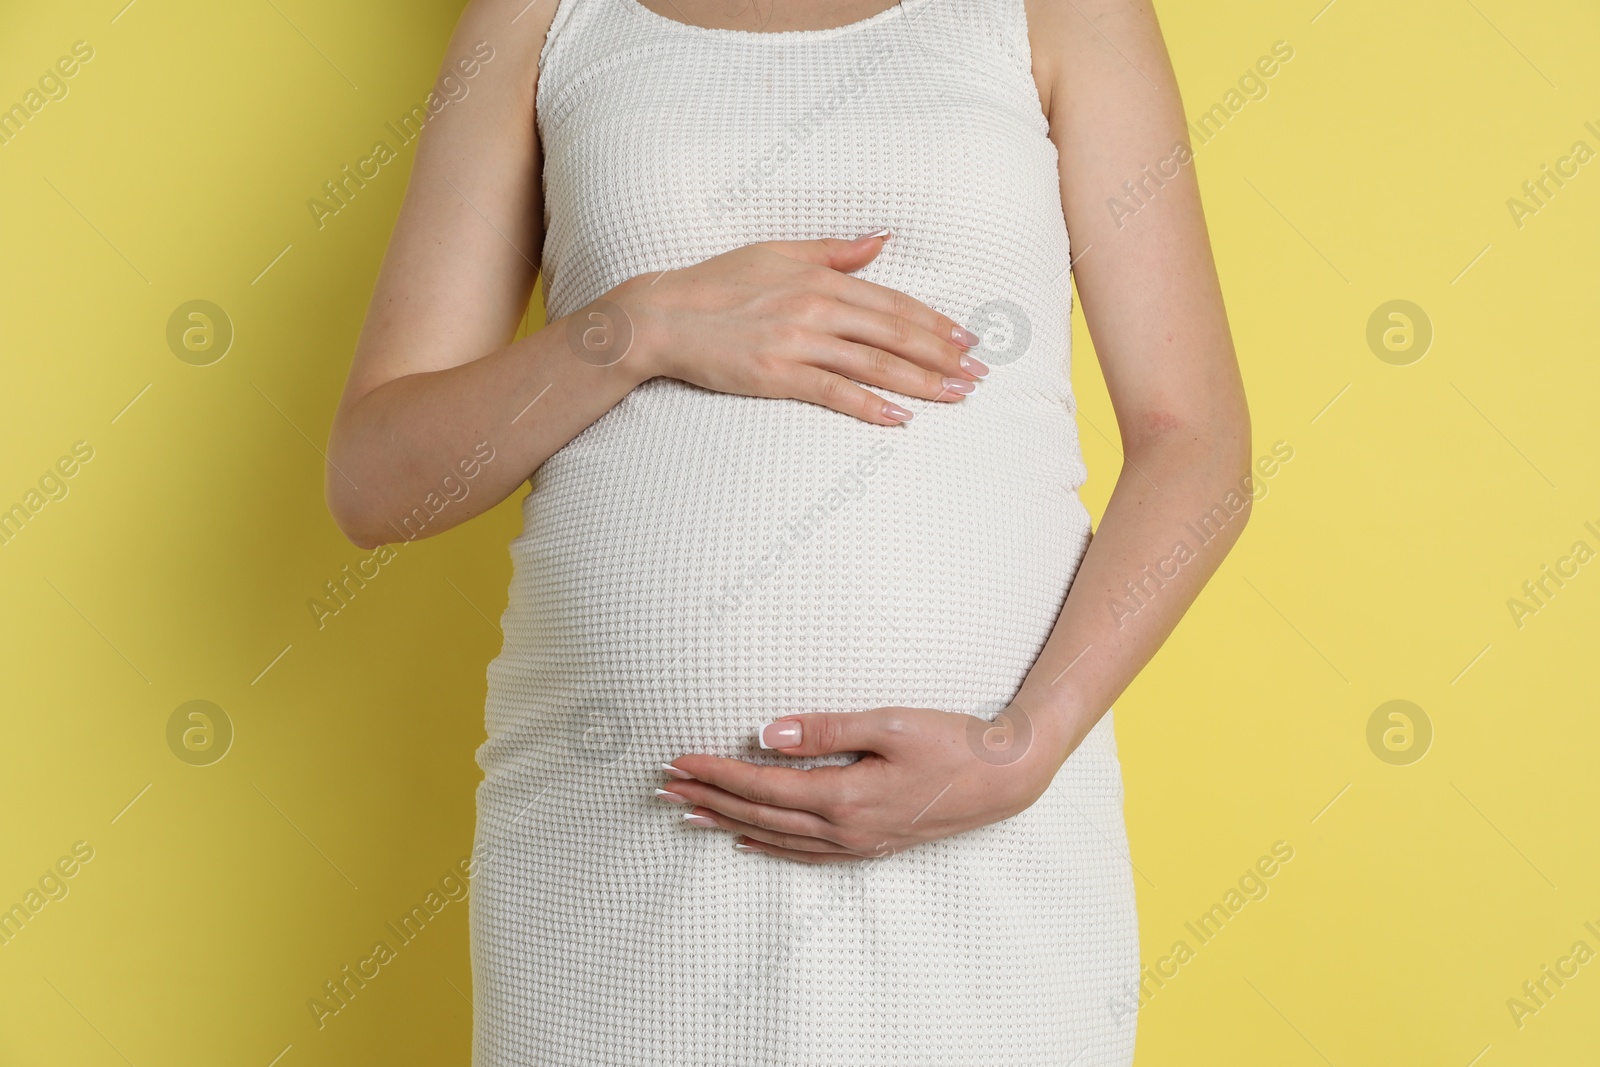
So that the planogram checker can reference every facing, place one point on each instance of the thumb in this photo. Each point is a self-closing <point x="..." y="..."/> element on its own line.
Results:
<point x="826" y="732"/>
<point x="842" y="256"/>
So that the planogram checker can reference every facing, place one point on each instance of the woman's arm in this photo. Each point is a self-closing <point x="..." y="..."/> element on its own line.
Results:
<point x="436" y="390"/>
<point x="1154" y="307"/>
<point x="434" y="374"/>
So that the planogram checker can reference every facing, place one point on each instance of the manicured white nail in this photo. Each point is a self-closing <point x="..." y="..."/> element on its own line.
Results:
<point x="676" y="798"/>
<point x="698" y="820"/>
<point x="742" y="847"/>
<point x="675" y="772"/>
<point x="780" y="735"/>
<point x="878" y="233"/>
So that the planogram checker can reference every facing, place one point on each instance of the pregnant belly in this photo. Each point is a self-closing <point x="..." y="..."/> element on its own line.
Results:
<point x="695" y="564"/>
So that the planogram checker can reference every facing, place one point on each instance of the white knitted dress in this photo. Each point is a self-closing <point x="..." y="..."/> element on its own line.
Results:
<point x="695" y="564"/>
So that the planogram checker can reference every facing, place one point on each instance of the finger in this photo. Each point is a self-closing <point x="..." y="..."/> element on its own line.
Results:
<point x="835" y="391"/>
<point x="824" y="732"/>
<point x="952" y="338"/>
<point x="875" y="366"/>
<point x="842" y="257"/>
<point x="797" y="842"/>
<point x="785" y="820"/>
<point x="803" y="857"/>
<point x="837" y="254"/>
<point x="813" y="791"/>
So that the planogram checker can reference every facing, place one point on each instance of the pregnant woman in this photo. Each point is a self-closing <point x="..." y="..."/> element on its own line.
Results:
<point x="799" y="744"/>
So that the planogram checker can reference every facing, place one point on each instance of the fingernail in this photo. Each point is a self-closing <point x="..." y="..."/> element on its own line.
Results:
<point x="972" y="366"/>
<point x="675" y="772"/>
<point x="676" y="798"/>
<point x="698" y="820"/>
<point x="780" y="735"/>
<point x="884" y="233"/>
<point x="896" y="412"/>
<point x="742" y="847"/>
<point x="958" y="385"/>
<point x="963" y="336"/>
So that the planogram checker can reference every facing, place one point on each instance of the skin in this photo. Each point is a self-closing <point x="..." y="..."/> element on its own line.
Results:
<point x="435" y="371"/>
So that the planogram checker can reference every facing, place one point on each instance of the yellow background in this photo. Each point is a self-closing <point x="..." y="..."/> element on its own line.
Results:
<point x="1419" y="499"/>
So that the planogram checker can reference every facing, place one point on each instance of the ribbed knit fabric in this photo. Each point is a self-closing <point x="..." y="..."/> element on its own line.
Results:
<point x="695" y="564"/>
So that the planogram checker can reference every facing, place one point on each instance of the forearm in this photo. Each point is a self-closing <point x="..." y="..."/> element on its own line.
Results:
<point x="1178" y="507"/>
<point x="407" y="458"/>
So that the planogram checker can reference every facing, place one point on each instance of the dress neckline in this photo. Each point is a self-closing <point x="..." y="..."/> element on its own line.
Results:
<point x="903" y="8"/>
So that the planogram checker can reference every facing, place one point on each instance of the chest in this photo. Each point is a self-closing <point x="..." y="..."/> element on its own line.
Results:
<point x="755" y="145"/>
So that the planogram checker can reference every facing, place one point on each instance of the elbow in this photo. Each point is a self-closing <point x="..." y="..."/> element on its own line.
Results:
<point x="362" y="539"/>
<point x="356" y="527"/>
<point x="1211" y="449"/>
<point x="1234" y="468"/>
<point x="1217" y="442"/>
<point x="348" y="508"/>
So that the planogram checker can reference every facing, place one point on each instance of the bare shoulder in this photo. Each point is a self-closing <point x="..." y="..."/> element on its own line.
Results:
<point x="515" y="29"/>
<point x="1088" y="53"/>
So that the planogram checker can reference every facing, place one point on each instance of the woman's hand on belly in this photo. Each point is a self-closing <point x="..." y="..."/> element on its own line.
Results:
<point x="786" y="319"/>
<point x="924" y="774"/>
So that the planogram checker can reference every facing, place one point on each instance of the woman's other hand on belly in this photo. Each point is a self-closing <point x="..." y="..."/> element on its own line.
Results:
<point x="923" y="775"/>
